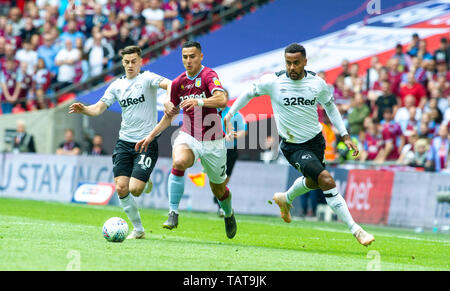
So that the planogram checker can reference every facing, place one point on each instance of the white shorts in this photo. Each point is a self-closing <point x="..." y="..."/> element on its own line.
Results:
<point x="212" y="154"/>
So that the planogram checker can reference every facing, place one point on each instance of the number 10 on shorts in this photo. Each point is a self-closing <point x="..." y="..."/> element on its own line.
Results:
<point x="146" y="161"/>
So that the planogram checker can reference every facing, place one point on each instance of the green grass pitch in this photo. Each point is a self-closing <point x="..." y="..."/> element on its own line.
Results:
<point x="37" y="235"/>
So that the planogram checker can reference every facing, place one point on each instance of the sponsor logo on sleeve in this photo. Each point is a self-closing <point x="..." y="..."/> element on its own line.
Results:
<point x="216" y="81"/>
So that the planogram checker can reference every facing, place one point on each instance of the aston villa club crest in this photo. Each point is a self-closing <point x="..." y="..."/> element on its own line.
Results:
<point x="198" y="82"/>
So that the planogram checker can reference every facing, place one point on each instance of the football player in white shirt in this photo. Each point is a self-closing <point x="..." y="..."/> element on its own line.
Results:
<point x="294" y="95"/>
<point x="136" y="93"/>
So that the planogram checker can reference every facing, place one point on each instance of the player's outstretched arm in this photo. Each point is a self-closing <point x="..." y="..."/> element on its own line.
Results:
<point x="164" y="123"/>
<point x="91" y="110"/>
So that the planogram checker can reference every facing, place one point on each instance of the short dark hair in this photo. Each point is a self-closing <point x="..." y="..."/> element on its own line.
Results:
<point x="131" y="49"/>
<point x="192" y="43"/>
<point x="295" y="48"/>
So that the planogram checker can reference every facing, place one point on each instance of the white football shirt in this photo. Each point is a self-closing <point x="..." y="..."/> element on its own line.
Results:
<point x="294" y="103"/>
<point x="137" y="98"/>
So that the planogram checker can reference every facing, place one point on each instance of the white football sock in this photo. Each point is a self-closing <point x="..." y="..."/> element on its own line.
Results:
<point x="129" y="206"/>
<point x="339" y="206"/>
<point x="298" y="188"/>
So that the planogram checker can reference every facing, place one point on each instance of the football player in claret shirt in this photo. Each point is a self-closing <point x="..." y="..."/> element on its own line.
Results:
<point x="199" y="93"/>
<point x="136" y="93"/>
<point x="294" y="95"/>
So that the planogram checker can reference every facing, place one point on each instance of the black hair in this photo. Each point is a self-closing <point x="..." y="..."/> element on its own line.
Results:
<point x="192" y="43"/>
<point x="131" y="50"/>
<point x="295" y="48"/>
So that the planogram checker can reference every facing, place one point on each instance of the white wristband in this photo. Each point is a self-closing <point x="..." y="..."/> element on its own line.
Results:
<point x="200" y="102"/>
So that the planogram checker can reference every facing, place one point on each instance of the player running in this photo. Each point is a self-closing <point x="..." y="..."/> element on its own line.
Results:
<point x="199" y="93"/>
<point x="294" y="94"/>
<point x="136" y="93"/>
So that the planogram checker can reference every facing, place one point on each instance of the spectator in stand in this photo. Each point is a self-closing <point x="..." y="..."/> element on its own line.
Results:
<point x="111" y="29"/>
<point x="48" y="52"/>
<point x="10" y="53"/>
<point x="23" y="141"/>
<point x="82" y="66"/>
<point x="184" y="10"/>
<point x="96" y="147"/>
<point x="2" y="46"/>
<point x="33" y="13"/>
<point x="385" y="100"/>
<point x="415" y="89"/>
<point x="429" y="71"/>
<point x="408" y="152"/>
<point x="41" y="80"/>
<point x="345" y="65"/>
<point x="393" y="139"/>
<point x="357" y="114"/>
<point x="409" y="115"/>
<point x="442" y="71"/>
<point x="352" y="80"/>
<point x="10" y="83"/>
<point x="436" y="115"/>
<point x="422" y="52"/>
<point x="16" y="21"/>
<point x="403" y="58"/>
<point x="329" y="135"/>
<point x="28" y="56"/>
<point x="370" y="140"/>
<point x="26" y="85"/>
<point x="69" y="146"/>
<point x="171" y="14"/>
<point x="154" y="15"/>
<point x="372" y="73"/>
<point x="28" y="30"/>
<point x="124" y="6"/>
<point x="99" y="18"/>
<point x="66" y="60"/>
<point x="71" y="33"/>
<point x="442" y="54"/>
<point x="122" y="41"/>
<point x="41" y="101"/>
<point x="395" y="75"/>
<point x="137" y="7"/>
<point x="136" y="28"/>
<point x="446" y="118"/>
<point x="200" y="10"/>
<point x="416" y="156"/>
<point x="15" y="41"/>
<point x="437" y="157"/>
<point x="98" y="56"/>
<point x="413" y="47"/>
<point x="426" y="127"/>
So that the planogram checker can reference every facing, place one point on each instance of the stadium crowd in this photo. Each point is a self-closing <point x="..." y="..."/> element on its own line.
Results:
<point x="397" y="111"/>
<point x="45" y="47"/>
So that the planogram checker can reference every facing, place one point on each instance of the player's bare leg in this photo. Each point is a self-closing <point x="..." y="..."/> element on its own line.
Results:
<point x="182" y="159"/>
<point x="223" y="195"/>
<point x="123" y="188"/>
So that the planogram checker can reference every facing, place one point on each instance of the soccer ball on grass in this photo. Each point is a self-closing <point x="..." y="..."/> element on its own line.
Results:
<point x="115" y="229"/>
